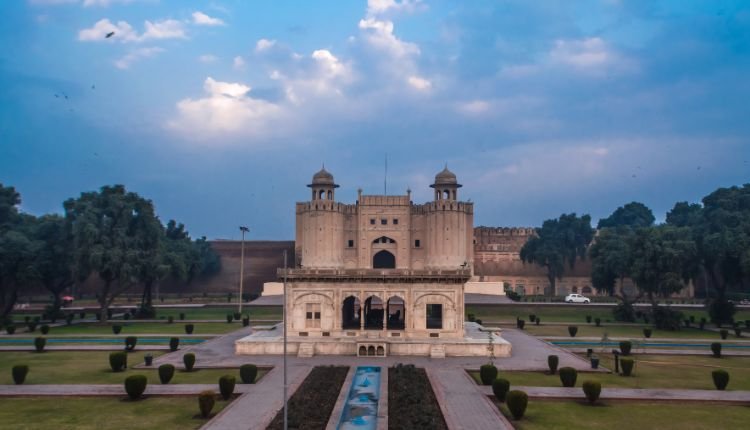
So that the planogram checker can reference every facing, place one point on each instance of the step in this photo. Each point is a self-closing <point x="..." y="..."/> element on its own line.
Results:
<point x="306" y="350"/>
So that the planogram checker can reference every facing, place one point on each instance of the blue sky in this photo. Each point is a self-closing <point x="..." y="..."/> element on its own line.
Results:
<point x="221" y="111"/>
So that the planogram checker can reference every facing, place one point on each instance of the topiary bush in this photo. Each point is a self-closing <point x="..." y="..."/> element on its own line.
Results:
<point x="647" y="332"/>
<point x="572" y="330"/>
<point x="568" y="376"/>
<point x="248" y="373"/>
<point x="126" y="317"/>
<point x="44" y="329"/>
<point x="532" y="317"/>
<point x="478" y="321"/>
<point x="500" y="388"/>
<point x="69" y="319"/>
<point x="237" y="316"/>
<point x="226" y="386"/>
<point x="598" y="322"/>
<point x="702" y="323"/>
<point x="625" y="347"/>
<point x="723" y="333"/>
<point x="626" y="364"/>
<point x="552" y="362"/>
<point x="130" y="342"/>
<point x="716" y="349"/>
<point x="118" y="361"/>
<point x="19" y="373"/>
<point x="189" y="328"/>
<point x="588" y="319"/>
<point x="517" y="401"/>
<point x="39" y="344"/>
<point x="135" y="385"/>
<point x="470" y="317"/>
<point x="189" y="361"/>
<point x="116" y="329"/>
<point x="230" y="317"/>
<point x="721" y="378"/>
<point x="538" y="320"/>
<point x="170" y="319"/>
<point x="82" y="315"/>
<point x="10" y="329"/>
<point x="738" y="332"/>
<point x="487" y="373"/>
<point x="31" y="325"/>
<point x="182" y="316"/>
<point x="206" y="402"/>
<point x="592" y="390"/>
<point x="245" y="321"/>
<point x="174" y="343"/>
<point x="166" y="372"/>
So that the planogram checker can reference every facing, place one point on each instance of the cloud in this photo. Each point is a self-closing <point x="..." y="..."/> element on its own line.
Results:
<point x="591" y="54"/>
<point x="166" y="29"/>
<point x="104" y="3"/>
<point x="124" y="32"/>
<point x="238" y="63"/>
<point x="200" y="18"/>
<point x="380" y="36"/>
<point x="264" y="45"/>
<point x="379" y="7"/>
<point x="419" y="83"/>
<point x="474" y="107"/>
<point x="207" y="58"/>
<point x="137" y="55"/>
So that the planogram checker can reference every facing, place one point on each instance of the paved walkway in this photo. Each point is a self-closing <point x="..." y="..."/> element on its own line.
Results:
<point x="729" y="352"/>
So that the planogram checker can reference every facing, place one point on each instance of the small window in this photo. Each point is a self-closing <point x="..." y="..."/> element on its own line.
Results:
<point x="383" y="222"/>
<point x="312" y="315"/>
<point x="372" y="221"/>
<point x="351" y="243"/>
<point x="417" y="243"/>
<point x="395" y="221"/>
<point x="434" y="316"/>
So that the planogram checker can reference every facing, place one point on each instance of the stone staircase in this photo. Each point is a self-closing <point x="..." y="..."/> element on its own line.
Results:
<point x="305" y="350"/>
<point x="437" y="351"/>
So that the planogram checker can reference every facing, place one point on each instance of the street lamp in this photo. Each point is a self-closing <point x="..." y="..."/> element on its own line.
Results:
<point x="244" y="230"/>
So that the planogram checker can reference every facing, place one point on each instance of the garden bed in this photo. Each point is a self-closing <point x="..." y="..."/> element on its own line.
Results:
<point x="311" y="405"/>
<point x="411" y="401"/>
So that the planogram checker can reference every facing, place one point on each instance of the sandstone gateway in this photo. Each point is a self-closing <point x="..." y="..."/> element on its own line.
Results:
<point x="382" y="276"/>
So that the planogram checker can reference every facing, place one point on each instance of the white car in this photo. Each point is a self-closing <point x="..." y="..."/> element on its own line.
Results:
<point x="576" y="298"/>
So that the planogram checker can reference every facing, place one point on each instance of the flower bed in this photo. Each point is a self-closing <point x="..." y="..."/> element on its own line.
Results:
<point x="411" y="401"/>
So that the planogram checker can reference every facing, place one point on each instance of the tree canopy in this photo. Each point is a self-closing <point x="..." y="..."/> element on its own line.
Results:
<point x="633" y="214"/>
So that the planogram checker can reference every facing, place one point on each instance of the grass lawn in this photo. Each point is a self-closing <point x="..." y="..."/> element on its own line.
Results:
<point x="103" y="412"/>
<point x="130" y="327"/>
<point x="651" y="371"/>
<point x="92" y="367"/>
<point x="220" y="313"/>
<point x="542" y="414"/>
<point x="625" y="331"/>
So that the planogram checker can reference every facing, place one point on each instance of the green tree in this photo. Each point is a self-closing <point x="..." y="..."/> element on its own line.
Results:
<point x="115" y="234"/>
<point x="611" y="261"/>
<point x="633" y="214"/>
<point x="559" y="242"/>
<point x="54" y="261"/>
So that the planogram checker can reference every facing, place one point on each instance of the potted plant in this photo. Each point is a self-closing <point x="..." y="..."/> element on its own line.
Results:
<point x="149" y="359"/>
<point x="594" y="362"/>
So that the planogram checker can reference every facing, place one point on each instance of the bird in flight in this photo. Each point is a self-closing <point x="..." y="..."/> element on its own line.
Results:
<point x="110" y="34"/>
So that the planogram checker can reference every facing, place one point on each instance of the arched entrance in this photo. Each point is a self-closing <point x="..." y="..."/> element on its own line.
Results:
<point x="396" y="313"/>
<point x="350" y="313"/>
<point x="383" y="260"/>
<point x="373" y="313"/>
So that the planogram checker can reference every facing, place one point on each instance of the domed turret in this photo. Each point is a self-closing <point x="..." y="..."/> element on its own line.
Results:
<point x="323" y="185"/>
<point x="446" y="185"/>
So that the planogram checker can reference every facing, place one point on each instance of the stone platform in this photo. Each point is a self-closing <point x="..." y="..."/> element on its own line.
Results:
<point x="475" y="343"/>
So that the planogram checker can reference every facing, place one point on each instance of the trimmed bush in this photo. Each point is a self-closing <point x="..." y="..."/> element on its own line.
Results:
<point x="170" y="319"/>
<point x="245" y="321"/>
<point x="19" y="373"/>
<point x="248" y="373"/>
<point x="166" y="372"/>
<point x="82" y="315"/>
<point x="723" y="333"/>
<point x="716" y="349"/>
<point x="532" y="317"/>
<point x="626" y="364"/>
<point x="230" y="317"/>
<point x="592" y="390"/>
<point x="500" y="388"/>
<point x="702" y="323"/>
<point x="721" y="378"/>
<point x="206" y="402"/>
<point x="10" y="329"/>
<point x="471" y="317"/>
<point x="226" y="386"/>
<point x="237" y="316"/>
<point x="738" y="332"/>
<point x="126" y="317"/>
<point x="588" y="319"/>
<point x="174" y="343"/>
<point x="478" y="321"/>
<point x="189" y="361"/>
<point x="647" y="332"/>
<point x="572" y="330"/>
<point x="135" y="385"/>
<point x="69" y="319"/>
<point x="538" y="320"/>
<point x="487" y="373"/>
<point x="189" y="328"/>
<point x="118" y="361"/>
<point x="130" y="342"/>
<point x="552" y="362"/>
<point x="31" y="325"/>
<point x="625" y="347"/>
<point x="568" y="376"/>
<point x="517" y="401"/>
<point x="182" y="316"/>
<point x="39" y="344"/>
<point x="44" y="329"/>
<point x="116" y="329"/>
<point x="521" y="323"/>
<point x="598" y="322"/>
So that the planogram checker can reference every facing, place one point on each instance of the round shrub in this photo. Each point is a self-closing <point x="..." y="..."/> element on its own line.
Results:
<point x="592" y="390"/>
<point x="69" y="319"/>
<point x="174" y="343"/>
<point x="10" y="329"/>
<point x="206" y="402"/>
<point x="626" y="364"/>
<point x="44" y="329"/>
<point x="572" y="330"/>
<point x="19" y="373"/>
<point x="166" y="372"/>
<point x="470" y="317"/>
<point x="230" y="317"/>
<point x="738" y="332"/>
<point x="82" y="315"/>
<point x="226" y="386"/>
<point x="237" y="316"/>
<point x="118" y="361"/>
<point x="135" y="385"/>
<point x="500" y="388"/>
<point x="487" y="373"/>
<point x="126" y="317"/>
<point x="245" y="321"/>
<point x="723" y="333"/>
<point x="552" y="362"/>
<point x="248" y="373"/>
<point x="189" y="328"/>
<point x="532" y="317"/>
<point x="39" y="344"/>
<point x="721" y="378"/>
<point x="182" y="316"/>
<point x="189" y="361"/>
<point x="130" y="342"/>
<point x="647" y="332"/>
<point x="538" y="320"/>
<point x="520" y="323"/>
<point x="716" y="349"/>
<point x="625" y="347"/>
<point x="517" y="401"/>
<point x="170" y="319"/>
<point x="568" y="376"/>
<point x="588" y="319"/>
<point x="598" y="322"/>
<point x="116" y="328"/>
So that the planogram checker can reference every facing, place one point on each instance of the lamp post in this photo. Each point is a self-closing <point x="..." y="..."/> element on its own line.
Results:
<point x="286" y="420"/>
<point x="244" y="230"/>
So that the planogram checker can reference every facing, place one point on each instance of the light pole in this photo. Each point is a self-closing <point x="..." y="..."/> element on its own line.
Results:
<point x="244" y="230"/>
<point x="286" y="268"/>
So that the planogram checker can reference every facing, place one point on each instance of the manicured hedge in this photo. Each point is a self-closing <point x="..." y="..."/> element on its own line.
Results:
<point x="166" y="372"/>
<point x="568" y="376"/>
<point x="118" y="361"/>
<point x="226" y="386"/>
<point x="411" y="401"/>
<point x="487" y="373"/>
<point x="206" y="402"/>
<point x="189" y="361"/>
<point x="311" y="405"/>
<point x="552" y="362"/>
<point x="517" y="402"/>
<point x="19" y="373"/>
<point x="248" y="373"/>
<point x="592" y="390"/>
<point x="135" y="385"/>
<point x="174" y="343"/>
<point x="721" y="378"/>
<point x="500" y="388"/>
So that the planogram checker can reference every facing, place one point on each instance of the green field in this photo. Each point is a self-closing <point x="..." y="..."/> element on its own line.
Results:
<point x="543" y="414"/>
<point x="625" y="331"/>
<point x="650" y="371"/>
<point x="220" y="313"/>
<point x="92" y="367"/>
<point x="84" y="413"/>
<point x="130" y="327"/>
